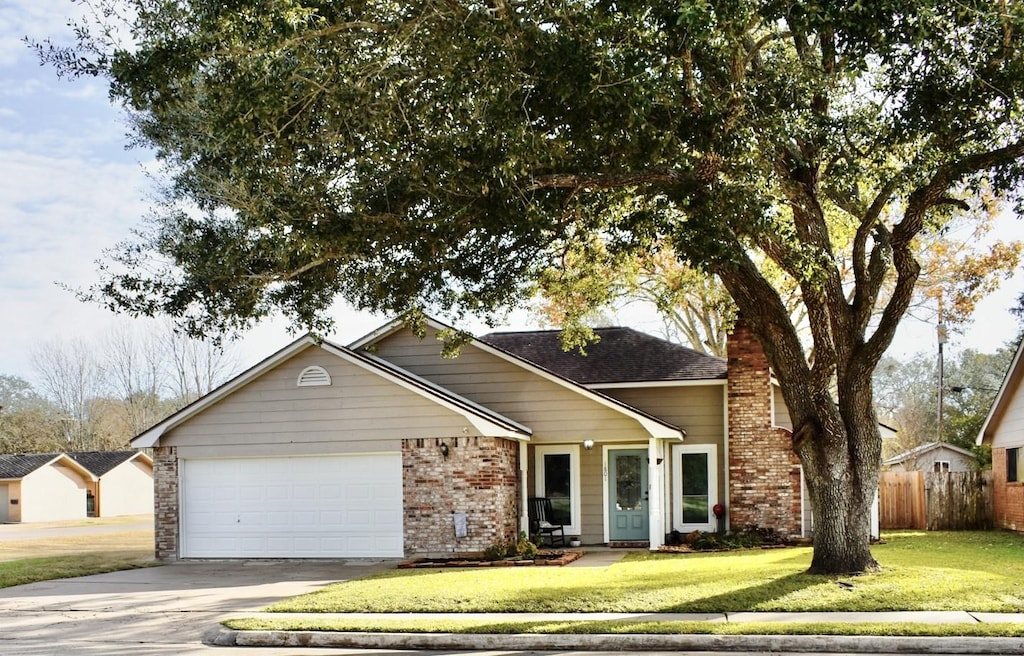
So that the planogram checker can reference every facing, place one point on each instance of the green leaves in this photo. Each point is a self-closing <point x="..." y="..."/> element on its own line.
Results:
<point x="425" y="153"/>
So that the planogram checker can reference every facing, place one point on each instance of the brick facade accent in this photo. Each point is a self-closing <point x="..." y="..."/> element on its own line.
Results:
<point x="1008" y="498"/>
<point x="165" y="502"/>
<point x="764" y="472"/>
<point x="479" y="477"/>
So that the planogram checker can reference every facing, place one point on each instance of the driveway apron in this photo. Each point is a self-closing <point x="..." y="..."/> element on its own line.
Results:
<point x="170" y="606"/>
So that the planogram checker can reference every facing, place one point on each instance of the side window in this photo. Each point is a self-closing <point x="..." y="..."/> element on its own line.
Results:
<point x="1012" y="456"/>
<point x="940" y="466"/>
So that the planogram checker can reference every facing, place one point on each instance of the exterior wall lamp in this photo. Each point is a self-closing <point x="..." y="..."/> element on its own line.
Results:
<point x="588" y="444"/>
<point x="444" y="450"/>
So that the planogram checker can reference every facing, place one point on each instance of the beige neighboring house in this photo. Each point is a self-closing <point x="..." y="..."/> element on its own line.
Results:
<point x="932" y="457"/>
<point x="1003" y="431"/>
<point x="123" y="485"/>
<point x="42" y="487"/>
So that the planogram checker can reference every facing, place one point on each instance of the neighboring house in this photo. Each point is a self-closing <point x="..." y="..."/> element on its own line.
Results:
<point x="387" y="449"/>
<point x="932" y="457"/>
<point x="123" y="485"/>
<point x="42" y="488"/>
<point x="1003" y="431"/>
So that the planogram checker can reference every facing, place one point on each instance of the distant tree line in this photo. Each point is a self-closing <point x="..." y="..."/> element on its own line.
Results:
<point x="99" y="395"/>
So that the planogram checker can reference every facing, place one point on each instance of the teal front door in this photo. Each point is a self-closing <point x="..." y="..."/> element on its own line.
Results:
<point x="627" y="495"/>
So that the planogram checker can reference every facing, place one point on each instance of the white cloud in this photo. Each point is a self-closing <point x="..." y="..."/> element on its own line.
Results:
<point x="36" y="19"/>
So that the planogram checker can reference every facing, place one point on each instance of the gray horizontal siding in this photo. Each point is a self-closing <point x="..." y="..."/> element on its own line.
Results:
<point x="554" y="412"/>
<point x="699" y="410"/>
<point x="359" y="412"/>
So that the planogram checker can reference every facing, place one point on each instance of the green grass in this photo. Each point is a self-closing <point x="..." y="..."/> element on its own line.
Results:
<point x="43" y="559"/>
<point x="33" y="570"/>
<point x="971" y="571"/>
<point x="629" y="627"/>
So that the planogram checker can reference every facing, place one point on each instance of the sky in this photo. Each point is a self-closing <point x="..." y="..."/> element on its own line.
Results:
<point x="69" y="189"/>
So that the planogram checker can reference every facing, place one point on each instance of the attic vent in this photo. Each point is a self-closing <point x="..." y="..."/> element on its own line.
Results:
<point x="312" y="376"/>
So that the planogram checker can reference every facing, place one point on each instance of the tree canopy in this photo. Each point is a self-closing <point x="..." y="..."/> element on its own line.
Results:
<point x="446" y="154"/>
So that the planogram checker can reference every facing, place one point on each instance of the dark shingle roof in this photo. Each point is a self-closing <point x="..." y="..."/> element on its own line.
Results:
<point x="21" y="465"/>
<point x="100" y="462"/>
<point x="623" y="355"/>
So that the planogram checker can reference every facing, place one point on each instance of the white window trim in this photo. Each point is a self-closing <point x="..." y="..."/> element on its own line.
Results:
<point x="677" y="486"/>
<point x="573" y="450"/>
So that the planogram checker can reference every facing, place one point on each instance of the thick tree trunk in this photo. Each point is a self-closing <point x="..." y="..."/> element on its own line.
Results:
<point x="842" y="529"/>
<point x="841" y="457"/>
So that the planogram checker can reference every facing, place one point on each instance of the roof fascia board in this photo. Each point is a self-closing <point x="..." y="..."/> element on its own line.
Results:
<point x="390" y="327"/>
<point x="654" y="427"/>
<point x="703" y="382"/>
<point x="151" y="436"/>
<point x="1004" y="396"/>
<point x="72" y="463"/>
<point x="926" y="448"/>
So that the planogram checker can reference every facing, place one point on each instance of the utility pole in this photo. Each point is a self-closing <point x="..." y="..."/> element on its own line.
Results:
<point x="941" y="334"/>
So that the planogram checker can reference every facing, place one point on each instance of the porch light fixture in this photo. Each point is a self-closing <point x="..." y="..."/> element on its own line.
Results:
<point x="588" y="444"/>
<point x="444" y="450"/>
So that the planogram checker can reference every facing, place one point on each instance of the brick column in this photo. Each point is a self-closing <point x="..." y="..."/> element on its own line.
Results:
<point x="478" y="477"/>
<point x="764" y="472"/>
<point x="165" y="502"/>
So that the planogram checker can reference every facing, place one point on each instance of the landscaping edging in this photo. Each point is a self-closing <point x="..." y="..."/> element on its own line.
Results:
<point x="549" y="559"/>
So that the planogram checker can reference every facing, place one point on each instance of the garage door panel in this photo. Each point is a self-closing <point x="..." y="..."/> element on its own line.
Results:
<point x="331" y="506"/>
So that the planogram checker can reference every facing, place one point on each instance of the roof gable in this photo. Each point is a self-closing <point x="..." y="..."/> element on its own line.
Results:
<point x="101" y="462"/>
<point x="919" y="451"/>
<point x="623" y="355"/>
<point x="653" y="426"/>
<point x="21" y="465"/>
<point x="1009" y="391"/>
<point x="485" y="420"/>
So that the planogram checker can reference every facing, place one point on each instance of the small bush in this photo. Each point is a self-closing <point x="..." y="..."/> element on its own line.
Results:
<point x="750" y="537"/>
<point x="502" y="549"/>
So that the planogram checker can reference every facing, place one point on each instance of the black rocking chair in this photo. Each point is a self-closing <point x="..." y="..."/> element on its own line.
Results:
<point x="541" y="515"/>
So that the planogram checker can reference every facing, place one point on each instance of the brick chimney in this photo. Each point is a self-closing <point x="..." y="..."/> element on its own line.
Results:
<point x="764" y="472"/>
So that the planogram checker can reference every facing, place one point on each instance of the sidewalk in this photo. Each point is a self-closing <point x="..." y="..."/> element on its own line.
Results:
<point x="636" y="642"/>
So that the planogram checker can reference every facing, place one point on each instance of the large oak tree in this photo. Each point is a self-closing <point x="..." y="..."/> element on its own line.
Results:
<point x="443" y="153"/>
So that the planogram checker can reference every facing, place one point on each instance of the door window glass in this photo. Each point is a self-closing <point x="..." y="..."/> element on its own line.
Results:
<point x="695" y="488"/>
<point x="628" y="492"/>
<point x="558" y="485"/>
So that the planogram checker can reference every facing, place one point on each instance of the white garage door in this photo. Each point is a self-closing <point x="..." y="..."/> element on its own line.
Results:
<point x="315" y="507"/>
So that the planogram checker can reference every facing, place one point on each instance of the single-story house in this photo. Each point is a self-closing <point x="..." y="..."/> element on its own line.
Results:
<point x="1003" y="431"/>
<point x="932" y="457"/>
<point x="42" y="487"/>
<point x="123" y="485"/>
<point x="386" y="448"/>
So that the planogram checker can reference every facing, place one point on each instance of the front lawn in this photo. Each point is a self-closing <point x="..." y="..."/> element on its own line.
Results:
<point x="973" y="571"/>
<point x="29" y="561"/>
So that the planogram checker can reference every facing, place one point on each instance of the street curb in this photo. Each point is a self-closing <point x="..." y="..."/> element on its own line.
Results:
<point x="619" y="642"/>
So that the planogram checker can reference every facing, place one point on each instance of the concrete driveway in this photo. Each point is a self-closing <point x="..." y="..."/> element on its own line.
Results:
<point x="157" y="610"/>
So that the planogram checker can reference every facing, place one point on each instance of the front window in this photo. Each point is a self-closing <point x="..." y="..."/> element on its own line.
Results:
<point x="940" y="466"/>
<point x="558" y="478"/>
<point x="694" y="487"/>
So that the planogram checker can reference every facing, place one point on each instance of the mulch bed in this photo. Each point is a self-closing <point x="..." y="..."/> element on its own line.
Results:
<point x="545" y="557"/>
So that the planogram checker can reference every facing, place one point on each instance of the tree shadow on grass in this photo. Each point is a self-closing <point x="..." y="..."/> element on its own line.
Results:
<point x="751" y="597"/>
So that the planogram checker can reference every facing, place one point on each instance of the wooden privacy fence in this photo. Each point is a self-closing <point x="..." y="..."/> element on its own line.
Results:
<point x="942" y="501"/>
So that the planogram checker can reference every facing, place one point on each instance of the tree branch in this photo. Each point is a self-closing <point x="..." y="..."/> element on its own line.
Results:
<point x="587" y="181"/>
